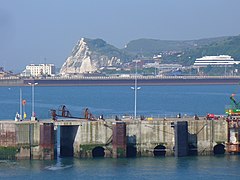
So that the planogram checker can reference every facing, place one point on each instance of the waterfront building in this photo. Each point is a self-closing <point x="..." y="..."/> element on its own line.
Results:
<point x="39" y="70"/>
<point x="221" y="60"/>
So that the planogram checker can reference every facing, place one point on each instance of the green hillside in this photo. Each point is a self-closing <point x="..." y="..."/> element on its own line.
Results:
<point x="185" y="52"/>
<point x="102" y="47"/>
<point x="229" y="46"/>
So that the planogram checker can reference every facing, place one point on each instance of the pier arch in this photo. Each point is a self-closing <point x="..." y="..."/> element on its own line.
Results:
<point x="98" y="152"/>
<point x="159" y="150"/>
<point x="219" y="149"/>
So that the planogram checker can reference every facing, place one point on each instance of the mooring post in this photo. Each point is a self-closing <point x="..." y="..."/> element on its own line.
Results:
<point x="181" y="138"/>
<point x="47" y="140"/>
<point x="119" y="139"/>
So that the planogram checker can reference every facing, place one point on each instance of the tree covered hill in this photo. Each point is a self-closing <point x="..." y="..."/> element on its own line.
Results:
<point x="185" y="52"/>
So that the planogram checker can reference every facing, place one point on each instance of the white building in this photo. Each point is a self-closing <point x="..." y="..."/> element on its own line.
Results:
<point x="221" y="60"/>
<point x="39" y="70"/>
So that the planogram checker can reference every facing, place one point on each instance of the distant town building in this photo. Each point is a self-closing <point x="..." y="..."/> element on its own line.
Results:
<point x="39" y="70"/>
<point x="150" y="62"/>
<point x="169" y="66"/>
<point x="157" y="57"/>
<point x="221" y="60"/>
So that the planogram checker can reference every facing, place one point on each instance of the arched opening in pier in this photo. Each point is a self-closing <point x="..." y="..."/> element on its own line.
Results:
<point x="159" y="150"/>
<point x="98" y="152"/>
<point x="219" y="149"/>
<point x="131" y="151"/>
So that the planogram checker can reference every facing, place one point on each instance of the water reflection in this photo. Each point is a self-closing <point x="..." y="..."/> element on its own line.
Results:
<point x="207" y="167"/>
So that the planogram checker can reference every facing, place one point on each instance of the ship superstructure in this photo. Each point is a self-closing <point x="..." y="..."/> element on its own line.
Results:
<point x="221" y="60"/>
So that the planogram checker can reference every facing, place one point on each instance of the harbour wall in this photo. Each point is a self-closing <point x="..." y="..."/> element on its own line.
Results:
<point x="84" y="139"/>
<point x="100" y="81"/>
<point x="11" y="82"/>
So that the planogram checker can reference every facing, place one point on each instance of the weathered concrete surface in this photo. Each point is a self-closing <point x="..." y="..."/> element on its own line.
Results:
<point x="145" y="136"/>
<point x="81" y="138"/>
<point x="209" y="134"/>
<point x="21" y="140"/>
<point x="91" y="135"/>
<point x="203" y="134"/>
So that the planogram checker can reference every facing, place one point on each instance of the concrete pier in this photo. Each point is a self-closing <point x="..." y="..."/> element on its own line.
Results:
<point x="110" y="138"/>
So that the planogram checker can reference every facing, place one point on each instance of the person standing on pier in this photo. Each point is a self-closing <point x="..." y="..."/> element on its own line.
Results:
<point x="17" y="117"/>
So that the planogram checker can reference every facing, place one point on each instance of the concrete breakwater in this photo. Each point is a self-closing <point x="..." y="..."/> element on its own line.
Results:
<point x="83" y="139"/>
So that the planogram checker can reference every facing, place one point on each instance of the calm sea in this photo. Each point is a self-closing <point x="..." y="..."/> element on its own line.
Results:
<point x="156" y="101"/>
<point x="118" y="100"/>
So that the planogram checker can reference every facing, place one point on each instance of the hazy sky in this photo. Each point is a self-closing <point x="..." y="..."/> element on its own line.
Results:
<point x="31" y="30"/>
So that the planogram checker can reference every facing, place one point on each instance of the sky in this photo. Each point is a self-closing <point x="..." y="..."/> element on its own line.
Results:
<point x="45" y="31"/>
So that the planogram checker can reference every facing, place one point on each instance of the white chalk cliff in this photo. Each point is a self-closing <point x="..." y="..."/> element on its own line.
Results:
<point x="89" y="55"/>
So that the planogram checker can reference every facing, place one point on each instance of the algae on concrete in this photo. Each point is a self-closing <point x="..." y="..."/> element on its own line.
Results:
<point x="8" y="152"/>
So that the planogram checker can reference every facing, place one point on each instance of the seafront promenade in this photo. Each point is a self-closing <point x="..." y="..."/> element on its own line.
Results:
<point x="120" y="80"/>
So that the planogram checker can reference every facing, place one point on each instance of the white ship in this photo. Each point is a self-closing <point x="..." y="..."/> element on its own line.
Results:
<point x="221" y="60"/>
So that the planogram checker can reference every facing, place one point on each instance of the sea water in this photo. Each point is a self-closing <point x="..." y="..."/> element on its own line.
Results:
<point x="154" y="101"/>
<point x="198" y="167"/>
<point x="118" y="100"/>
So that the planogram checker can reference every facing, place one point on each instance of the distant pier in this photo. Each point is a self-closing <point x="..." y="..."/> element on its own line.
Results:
<point x="113" y="139"/>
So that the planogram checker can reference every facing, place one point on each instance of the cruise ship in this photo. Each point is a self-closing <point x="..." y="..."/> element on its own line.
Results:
<point x="221" y="60"/>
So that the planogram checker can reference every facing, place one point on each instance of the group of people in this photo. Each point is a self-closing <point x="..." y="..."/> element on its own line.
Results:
<point x="19" y="118"/>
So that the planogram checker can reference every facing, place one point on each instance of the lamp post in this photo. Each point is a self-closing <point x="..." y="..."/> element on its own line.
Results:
<point x="33" y="118"/>
<point x="20" y="104"/>
<point x="135" y="88"/>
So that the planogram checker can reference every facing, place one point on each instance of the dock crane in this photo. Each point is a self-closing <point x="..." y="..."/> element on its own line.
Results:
<point x="234" y="101"/>
<point x="235" y="107"/>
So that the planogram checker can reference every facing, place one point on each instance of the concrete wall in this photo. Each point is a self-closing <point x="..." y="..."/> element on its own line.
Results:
<point x="21" y="140"/>
<point x="209" y="134"/>
<point x="145" y="136"/>
<point x="91" y="135"/>
<point x="35" y="140"/>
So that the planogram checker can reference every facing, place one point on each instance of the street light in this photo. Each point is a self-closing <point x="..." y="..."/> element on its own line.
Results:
<point x="33" y="118"/>
<point x="135" y="88"/>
